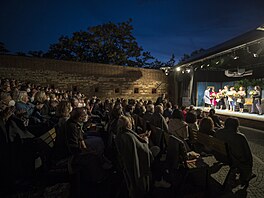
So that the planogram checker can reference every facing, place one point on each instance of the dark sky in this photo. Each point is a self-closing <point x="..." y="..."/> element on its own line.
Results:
<point x="162" y="27"/>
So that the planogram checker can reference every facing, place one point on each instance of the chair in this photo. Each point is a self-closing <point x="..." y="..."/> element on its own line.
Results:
<point x="157" y="137"/>
<point x="178" y="162"/>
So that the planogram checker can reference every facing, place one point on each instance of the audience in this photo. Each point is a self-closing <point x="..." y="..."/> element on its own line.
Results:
<point x="239" y="149"/>
<point x="27" y="111"/>
<point x="207" y="126"/>
<point x="177" y="126"/>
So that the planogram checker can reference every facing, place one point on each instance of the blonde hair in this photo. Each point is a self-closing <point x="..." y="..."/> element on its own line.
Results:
<point x="21" y="95"/>
<point x="40" y="96"/>
<point x="124" y="123"/>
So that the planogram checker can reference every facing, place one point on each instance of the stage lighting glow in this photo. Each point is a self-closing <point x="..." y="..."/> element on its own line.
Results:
<point x="178" y="69"/>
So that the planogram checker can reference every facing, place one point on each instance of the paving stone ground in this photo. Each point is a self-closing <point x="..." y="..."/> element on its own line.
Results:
<point x="256" y="186"/>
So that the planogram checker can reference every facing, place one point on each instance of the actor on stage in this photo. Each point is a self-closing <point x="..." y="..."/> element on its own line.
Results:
<point x="256" y="94"/>
<point x="207" y="102"/>
<point x="220" y="99"/>
<point x="241" y="99"/>
<point x="213" y="97"/>
<point x="224" y="93"/>
<point x="231" y="98"/>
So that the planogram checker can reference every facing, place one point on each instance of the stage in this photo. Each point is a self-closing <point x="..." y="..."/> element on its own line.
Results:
<point x="246" y="119"/>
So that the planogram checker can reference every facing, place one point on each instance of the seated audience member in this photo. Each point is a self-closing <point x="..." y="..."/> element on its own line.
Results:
<point x="199" y="114"/>
<point x="191" y="120"/>
<point x="177" y="126"/>
<point x="149" y="112"/>
<point x="191" y="109"/>
<point x="22" y="105"/>
<point x="168" y="111"/>
<point x="184" y="112"/>
<point x="136" y="157"/>
<point x="72" y="143"/>
<point x="207" y="126"/>
<point x="158" y="120"/>
<point x="239" y="149"/>
<point x="215" y="118"/>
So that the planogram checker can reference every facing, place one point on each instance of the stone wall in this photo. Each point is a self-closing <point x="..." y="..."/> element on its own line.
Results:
<point x="105" y="81"/>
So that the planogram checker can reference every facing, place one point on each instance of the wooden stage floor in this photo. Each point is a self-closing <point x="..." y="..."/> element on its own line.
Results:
<point x="246" y="119"/>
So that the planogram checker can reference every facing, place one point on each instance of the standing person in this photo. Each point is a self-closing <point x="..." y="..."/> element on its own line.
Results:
<point x="160" y="100"/>
<point x="241" y="99"/>
<point x="220" y="99"/>
<point x="257" y="100"/>
<point x="224" y="93"/>
<point x="231" y="98"/>
<point x="213" y="97"/>
<point x="207" y="102"/>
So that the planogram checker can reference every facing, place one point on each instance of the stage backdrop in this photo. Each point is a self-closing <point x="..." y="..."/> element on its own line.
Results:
<point x="201" y="86"/>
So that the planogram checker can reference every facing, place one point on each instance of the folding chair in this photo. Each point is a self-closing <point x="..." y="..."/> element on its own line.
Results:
<point x="178" y="162"/>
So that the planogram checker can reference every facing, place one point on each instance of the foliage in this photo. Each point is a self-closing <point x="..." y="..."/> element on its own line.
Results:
<point x="21" y="53"/>
<point x="185" y="57"/>
<point x="249" y="83"/>
<point x="36" y="53"/>
<point x="108" y="43"/>
<point x="3" y="49"/>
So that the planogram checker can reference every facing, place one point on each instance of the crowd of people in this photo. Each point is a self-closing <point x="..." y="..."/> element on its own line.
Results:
<point x="27" y="111"/>
<point x="228" y="98"/>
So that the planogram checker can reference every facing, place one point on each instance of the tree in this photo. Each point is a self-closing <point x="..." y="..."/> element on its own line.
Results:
<point x="108" y="43"/>
<point x="185" y="57"/>
<point x="21" y="53"/>
<point x="171" y="62"/>
<point x="3" y="49"/>
<point x="36" y="53"/>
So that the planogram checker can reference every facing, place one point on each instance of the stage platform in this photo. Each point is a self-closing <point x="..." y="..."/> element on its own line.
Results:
<point x="246" y="119"/>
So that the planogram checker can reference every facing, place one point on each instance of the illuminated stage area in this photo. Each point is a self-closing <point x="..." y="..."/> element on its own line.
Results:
<point x="246" y="119"/>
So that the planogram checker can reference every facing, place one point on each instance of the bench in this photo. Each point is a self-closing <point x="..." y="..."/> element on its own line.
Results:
<point x="217" y="147"/>
<point x="49" y="137"/>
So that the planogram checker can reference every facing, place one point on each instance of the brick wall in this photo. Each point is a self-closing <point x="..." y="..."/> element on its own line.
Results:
<point x="90" y="78"/>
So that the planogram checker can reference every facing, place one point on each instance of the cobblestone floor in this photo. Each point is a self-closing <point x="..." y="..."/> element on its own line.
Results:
<point x="256" y="187"/>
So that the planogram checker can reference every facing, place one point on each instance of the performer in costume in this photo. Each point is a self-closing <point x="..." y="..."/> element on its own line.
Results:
<point x="220" y="99"/>
<point x="207" y="102"/>
<point x="256" y="95"/>
<point x="241" y="99"/>
<point x="224" y="92"/>
<point x="213" y="97"/>
<point x="231" y="98"/>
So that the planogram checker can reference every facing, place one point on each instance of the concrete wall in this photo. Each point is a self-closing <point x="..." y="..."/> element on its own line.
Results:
<point x="86" y="77"/>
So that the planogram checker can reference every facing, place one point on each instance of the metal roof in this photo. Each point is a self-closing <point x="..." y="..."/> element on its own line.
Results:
<point x="246" y="45"/>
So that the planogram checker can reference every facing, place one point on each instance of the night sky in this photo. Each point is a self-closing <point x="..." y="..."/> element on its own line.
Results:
<point x="162" y="27"/>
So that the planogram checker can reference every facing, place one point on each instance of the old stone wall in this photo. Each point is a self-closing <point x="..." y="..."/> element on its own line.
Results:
<point x="105" y="81"/>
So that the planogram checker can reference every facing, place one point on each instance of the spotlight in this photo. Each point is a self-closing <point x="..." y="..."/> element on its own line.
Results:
<point x="178" y="69"/>
<point x="236" y="57"/>
<point x="208" y="65"/>
<point x="202" y="66"/>
<point x="217" y="62"/>
<point x="183" y="71"/>
<point x="188" y="70"/>
<point x="255" y="55"/>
